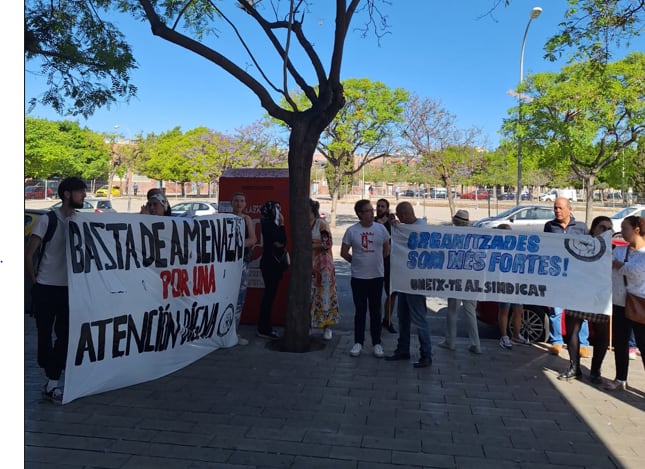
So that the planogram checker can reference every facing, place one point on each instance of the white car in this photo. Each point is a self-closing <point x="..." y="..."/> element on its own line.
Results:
<point x="91" y="205"/>
<point x="617" y="218"/>
<point x="523" y="217"/>
<point x="194" y="208"/>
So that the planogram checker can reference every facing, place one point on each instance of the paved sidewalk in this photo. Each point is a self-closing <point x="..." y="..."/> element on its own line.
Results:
<point x="249" y="407"/>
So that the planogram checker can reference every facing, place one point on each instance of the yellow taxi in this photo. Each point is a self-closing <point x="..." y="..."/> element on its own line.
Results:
<point x="103" y="191"/>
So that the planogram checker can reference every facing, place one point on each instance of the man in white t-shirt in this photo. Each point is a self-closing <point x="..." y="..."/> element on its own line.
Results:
<point x="50" y="292"/>
<point x="369" y="243"/>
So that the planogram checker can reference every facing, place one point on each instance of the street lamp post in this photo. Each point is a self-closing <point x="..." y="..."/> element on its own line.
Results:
<point x="535" y="12"/>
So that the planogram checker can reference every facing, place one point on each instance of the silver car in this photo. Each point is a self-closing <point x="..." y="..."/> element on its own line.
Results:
<point x="523" y="217"/>
<point x="91" y="205"/>
<point x="194" y="208"/>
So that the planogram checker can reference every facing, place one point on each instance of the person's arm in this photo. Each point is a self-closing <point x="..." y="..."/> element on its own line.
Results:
<point x="344" y="252"/>
<point x="252" y="239"/>
<point x="30" y="250"/>
<point x="386" y="248"/>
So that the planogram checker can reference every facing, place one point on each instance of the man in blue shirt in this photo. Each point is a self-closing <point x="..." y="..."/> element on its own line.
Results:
<point x="565" y="223"/>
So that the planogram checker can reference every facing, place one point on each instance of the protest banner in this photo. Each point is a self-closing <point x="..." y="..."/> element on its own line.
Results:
<point x="148" y="295"/>
<point x="549" y="269"/>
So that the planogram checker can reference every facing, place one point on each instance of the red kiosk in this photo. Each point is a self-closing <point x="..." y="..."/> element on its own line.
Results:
<point x="259" y="185"/>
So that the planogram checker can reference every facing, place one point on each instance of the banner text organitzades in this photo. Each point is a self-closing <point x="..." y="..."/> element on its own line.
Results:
<point x="208" y="240"/>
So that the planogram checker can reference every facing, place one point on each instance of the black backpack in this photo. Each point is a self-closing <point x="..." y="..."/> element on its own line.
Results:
<point x="52" y="224"/>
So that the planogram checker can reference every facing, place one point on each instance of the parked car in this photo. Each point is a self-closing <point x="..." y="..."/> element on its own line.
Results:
<point x="91" y="205"/>
<point x="506" y="196"/>
<point x="408" y="193"/>
<point x="535" y="320"/>
<point x="38" y="192"/>
<point x="438" y="193"/>
<point x="194" y="208"/>
<point x="617" y="218"/>
<point x="103" y="191"/>
<point x="476" y="195"/>
<point x="614" y="196"/>
<point x="522" y="217"/>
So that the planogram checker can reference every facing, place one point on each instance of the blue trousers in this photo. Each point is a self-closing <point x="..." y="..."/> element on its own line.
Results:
<point x="411" y="309"/>
<point x="555" y="329"/>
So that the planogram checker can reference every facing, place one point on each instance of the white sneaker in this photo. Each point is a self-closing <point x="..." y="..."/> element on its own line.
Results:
<point x="327" y="334"/>
<point x="505" y="343"/>
<point x="378" y="351"/>
<point x="242" y="341"/>
<point x="520" y="339"/>
<point x="356" y="350"/>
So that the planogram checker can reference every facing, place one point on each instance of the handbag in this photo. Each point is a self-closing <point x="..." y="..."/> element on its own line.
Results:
<point x="634" y="305"/>
<point x="635" y="308"/>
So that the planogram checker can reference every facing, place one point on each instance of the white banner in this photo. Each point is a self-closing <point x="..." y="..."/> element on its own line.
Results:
<point x="148" y="296"/>
<point x="548" y="269"/>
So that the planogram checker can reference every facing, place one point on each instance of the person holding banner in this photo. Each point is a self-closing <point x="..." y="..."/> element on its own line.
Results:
<point x="461" y="218"/>
<point x="565" y="223"/>
<point x="157" y="203"/>
<point x="384" y="217"/>
<point x="369" y="243"/>
<point x="573" y="322"/>
<point x="503" y="313"/>
<point x="238" y="202"/>
<point x="411" y="309"/>
<point x="628" y="267"/>
<point x="50" y="286"/>
<point x="274" y="240"/>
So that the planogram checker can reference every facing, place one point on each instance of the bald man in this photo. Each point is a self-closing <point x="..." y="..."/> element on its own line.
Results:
<point x="565" y="223"/>
<point x="411" y="309"/>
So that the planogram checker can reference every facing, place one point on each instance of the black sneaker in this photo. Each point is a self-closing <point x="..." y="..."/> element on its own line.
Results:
<point x="55" y="395"/>
<point x="423" y="362"/>
<point x="398" y="356"/>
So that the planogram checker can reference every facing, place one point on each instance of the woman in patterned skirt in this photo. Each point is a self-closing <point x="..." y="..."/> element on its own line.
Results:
<point x="324" y="300"/>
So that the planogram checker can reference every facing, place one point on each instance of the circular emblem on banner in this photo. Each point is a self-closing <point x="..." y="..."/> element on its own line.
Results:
<point x="226" y="322"/>
<point x="587" y="250"/>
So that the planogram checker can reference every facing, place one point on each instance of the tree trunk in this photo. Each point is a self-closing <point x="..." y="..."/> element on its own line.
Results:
<point x="589" y="181"/>
<point x="302" y="144"/>
<point x="334" y="209"/>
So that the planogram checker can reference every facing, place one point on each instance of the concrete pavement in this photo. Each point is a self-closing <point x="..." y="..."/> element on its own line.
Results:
<point x="250" y="406"/>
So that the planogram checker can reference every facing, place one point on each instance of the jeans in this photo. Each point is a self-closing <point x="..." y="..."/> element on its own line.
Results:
<point x="555" y="329"/>
<point x="468" y="307"/>
<point x="241" y="297"/>
<point x="411" y="309"/>
<point x="51" y="306"/>
<point x="367" y="292"/>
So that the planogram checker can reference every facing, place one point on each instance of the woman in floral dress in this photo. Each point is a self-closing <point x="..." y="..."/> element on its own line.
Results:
<point x="324" y="300"/>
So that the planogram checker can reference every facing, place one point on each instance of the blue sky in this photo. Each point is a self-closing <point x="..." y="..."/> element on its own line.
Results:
<point x="449" y="51"/>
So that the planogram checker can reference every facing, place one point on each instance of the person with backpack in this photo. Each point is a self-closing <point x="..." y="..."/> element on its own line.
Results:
<point x="46" y="267"/>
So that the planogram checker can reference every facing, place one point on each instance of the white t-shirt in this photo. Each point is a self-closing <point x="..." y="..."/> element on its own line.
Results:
<point x="53" y="265"/>
<point x="634" y="270"/>
<point x="366" y="245"/>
